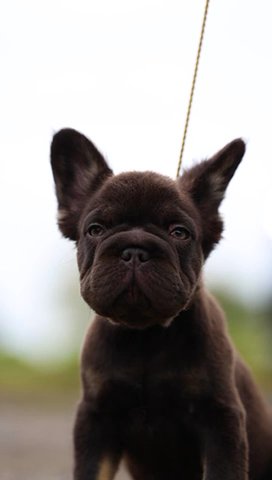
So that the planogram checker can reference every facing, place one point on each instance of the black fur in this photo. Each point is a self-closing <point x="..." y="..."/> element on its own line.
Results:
<point x="163" y="386"/>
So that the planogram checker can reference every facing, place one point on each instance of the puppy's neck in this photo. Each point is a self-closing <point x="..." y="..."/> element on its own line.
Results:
<point x="196" y="307"/>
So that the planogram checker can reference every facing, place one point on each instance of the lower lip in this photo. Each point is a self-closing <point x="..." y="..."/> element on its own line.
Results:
<point x="132" y="292"/>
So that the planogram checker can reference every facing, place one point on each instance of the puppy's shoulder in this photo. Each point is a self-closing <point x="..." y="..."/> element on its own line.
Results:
<point x="215" y="314"/>
<point x="217" y="336"/>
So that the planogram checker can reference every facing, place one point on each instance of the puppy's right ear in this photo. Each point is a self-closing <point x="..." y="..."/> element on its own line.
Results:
<point x="78" y="170"/>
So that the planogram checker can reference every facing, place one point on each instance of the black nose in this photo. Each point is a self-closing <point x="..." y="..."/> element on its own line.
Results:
<point x="135" y="254"/>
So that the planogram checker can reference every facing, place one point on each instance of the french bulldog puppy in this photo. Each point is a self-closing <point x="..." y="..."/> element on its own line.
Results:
<point x="163" y="387"/>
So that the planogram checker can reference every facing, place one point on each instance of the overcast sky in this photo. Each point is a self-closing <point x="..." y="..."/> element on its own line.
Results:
<point x="120" y="72"/>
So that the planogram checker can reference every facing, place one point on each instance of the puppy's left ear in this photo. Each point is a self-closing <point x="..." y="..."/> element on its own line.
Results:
<point x="79" y="170"/>
<point x="206" y="183"/>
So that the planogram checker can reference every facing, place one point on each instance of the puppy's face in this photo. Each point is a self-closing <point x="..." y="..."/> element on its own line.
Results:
<point x="139" y="252"/>
<point x="141" y="237"/>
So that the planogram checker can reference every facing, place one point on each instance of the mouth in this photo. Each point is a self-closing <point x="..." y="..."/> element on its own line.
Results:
<point x="132" y="293"/>
<point x="136" y="308"/>
<point x="135" y="294"/>
<point x="132" y="301"/>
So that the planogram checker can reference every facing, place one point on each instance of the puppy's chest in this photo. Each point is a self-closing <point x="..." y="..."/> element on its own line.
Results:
<point x="152" y="388"/>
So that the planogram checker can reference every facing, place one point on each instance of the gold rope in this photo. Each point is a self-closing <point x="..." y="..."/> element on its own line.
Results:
<point x="193" y="86"/>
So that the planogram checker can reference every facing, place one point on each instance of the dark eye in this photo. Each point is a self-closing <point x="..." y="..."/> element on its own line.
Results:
<point x="180" y="232"/>
<point x="95" y="230"/>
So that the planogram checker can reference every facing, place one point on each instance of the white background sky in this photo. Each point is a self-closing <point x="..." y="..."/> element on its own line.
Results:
<point x="120" y="72"/>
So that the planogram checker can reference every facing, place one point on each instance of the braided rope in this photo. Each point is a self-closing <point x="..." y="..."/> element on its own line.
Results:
<point x="189" y="108"/>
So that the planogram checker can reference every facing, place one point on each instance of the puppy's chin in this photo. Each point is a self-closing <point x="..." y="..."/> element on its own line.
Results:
<point x="138" y="314"/>
<point x="133" y="309"/>
<point x="151" y="294"/>
<point x="135" y="318"/>
<point x="140" y="322"/>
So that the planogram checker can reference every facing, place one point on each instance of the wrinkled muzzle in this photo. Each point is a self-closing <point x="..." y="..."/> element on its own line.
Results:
<point x="135" y="280"/>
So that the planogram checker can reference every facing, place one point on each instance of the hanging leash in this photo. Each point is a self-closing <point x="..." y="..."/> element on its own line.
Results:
<point x="193" y="87"/>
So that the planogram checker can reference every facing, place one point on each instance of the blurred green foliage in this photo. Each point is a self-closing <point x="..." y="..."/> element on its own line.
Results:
<point x="251" y="331"/>
<point x="19" y="376"/>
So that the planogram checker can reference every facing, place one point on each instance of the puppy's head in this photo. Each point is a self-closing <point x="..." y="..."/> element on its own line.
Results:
<point x="141" y="237"/>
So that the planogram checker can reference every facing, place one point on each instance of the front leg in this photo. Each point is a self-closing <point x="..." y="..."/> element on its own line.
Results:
<point x="225" y="442"/>
<point x="97" y="448"/>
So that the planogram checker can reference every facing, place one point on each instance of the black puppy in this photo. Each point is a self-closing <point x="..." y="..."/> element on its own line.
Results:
<point x="163" y="386"/>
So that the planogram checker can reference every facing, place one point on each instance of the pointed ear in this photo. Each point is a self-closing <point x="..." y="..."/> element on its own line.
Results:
<point x="78" y="170"/>
<point x="206" y="183"/>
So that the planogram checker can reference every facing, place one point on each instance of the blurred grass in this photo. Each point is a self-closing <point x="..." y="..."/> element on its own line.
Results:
<point x="251" y="331"/>
<point x="21" y="378"/>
